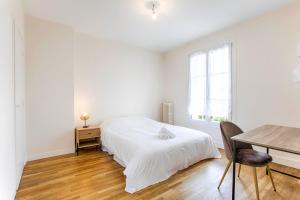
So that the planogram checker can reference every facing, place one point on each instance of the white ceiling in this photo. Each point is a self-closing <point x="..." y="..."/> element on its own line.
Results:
<point x="128" y="21"/>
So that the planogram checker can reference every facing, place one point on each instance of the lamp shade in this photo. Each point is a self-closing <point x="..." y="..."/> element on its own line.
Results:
<point x="84" y="116"/>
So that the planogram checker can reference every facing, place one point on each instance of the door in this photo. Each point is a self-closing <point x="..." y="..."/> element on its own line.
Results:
<point x="19" y="98"/>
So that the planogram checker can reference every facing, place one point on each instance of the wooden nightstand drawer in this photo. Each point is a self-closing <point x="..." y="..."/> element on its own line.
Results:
<point x="86" y="134"/>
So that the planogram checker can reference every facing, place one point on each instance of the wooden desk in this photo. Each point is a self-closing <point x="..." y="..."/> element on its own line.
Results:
<point x="280" y="138"/>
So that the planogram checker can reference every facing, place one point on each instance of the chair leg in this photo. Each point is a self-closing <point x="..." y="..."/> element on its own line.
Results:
<point x="239" y="170"/>
<point x="255" y="182"/>
<point x="269" y="171"/>
<point x="225" y="172"/>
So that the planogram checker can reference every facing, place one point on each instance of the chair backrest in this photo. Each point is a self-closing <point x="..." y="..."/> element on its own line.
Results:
<point x="228" y="130"/>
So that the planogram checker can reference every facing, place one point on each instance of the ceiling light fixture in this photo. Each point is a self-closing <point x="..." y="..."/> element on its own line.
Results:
<point x="153" y="6"/>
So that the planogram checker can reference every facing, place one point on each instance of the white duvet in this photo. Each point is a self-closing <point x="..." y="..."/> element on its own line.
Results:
<point x="147" y="159"/>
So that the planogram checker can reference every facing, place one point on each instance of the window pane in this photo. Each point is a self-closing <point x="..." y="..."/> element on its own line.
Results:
<point x="198" y="88"/>
<point x="197" y="107"/>
<point x="199" y="117"/>
<point x="219" y="60"/>
<point x="198" y="65"/>
<point x="197" y="85"/>
<point x="219" y="86"/>
<point x="219" y="83"/>
<point x="218" y="108"/>
<point x="213" y="74"/>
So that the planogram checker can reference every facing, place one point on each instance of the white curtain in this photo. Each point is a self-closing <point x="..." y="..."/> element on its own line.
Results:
<point x="198" y="75"/>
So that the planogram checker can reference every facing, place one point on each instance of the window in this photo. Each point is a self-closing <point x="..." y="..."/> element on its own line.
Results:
<point x="210" y="84"/>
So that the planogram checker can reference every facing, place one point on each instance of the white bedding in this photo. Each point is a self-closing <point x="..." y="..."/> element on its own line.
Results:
<point x="147" y="159"/>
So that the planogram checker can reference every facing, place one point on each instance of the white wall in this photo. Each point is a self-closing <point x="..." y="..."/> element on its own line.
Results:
<point x="70" y="73"/>
<point x="264" y="59"/>
<point x="50" y="88"/>
<point x="113" y="80"/>
<point x="9" y="11"/>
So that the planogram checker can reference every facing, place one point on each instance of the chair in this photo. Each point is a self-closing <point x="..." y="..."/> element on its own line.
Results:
<point x="245" y="155"/>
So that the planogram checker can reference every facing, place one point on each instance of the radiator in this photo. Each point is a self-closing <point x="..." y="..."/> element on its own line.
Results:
<point x="168" y="113"/>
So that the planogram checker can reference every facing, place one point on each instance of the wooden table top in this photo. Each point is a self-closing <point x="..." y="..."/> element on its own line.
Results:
<point x="274" y="137"/>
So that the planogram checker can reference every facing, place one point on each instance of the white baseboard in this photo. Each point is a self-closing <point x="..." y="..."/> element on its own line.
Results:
<point x="286" y="160"/>
<point x="13" y="195"/>
<point x="219" y="144"/>
<point x="50" y="154"/>
<point x="283" y="158"/>
<point x="19" y="176"/>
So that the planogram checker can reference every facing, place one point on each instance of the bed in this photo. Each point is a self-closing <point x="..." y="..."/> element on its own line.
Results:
<point x="148" y="159"/>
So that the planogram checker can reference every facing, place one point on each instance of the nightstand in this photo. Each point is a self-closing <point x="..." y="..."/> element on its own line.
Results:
<point x="87" y="137"/>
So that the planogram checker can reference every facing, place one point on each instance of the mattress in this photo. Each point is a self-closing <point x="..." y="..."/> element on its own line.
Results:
<point x="134" y="143"/>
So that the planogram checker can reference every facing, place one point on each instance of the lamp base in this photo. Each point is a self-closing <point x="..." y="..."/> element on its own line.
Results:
<point x="85" y="126"/>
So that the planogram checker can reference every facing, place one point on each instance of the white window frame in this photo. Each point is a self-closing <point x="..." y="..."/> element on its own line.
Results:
<point x="231" y="89"/>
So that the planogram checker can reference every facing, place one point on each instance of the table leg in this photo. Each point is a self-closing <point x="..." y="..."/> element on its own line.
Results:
<point x="76" y="149"/>
<point x="267" y="173"/>
<point x="75" y="144"/>
<point x="233" y="169"/>
<point x="290" y="175"/>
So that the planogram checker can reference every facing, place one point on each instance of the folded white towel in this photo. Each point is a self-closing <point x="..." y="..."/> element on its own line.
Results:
<point x="165" y="134"/>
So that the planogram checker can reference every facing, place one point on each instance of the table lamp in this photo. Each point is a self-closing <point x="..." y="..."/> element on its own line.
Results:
<point x="84" y="117"/>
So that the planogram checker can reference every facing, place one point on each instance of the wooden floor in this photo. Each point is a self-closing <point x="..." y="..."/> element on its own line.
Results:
<point x="94" y="175"/>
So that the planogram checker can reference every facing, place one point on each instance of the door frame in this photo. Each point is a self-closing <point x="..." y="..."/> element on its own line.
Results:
<point x="16" y="33"/>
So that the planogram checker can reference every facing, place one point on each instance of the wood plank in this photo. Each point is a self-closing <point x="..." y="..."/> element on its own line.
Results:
<point x="276" y="137"/>
<point x="88" y="144"/>
<point x="95" y="175"/>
